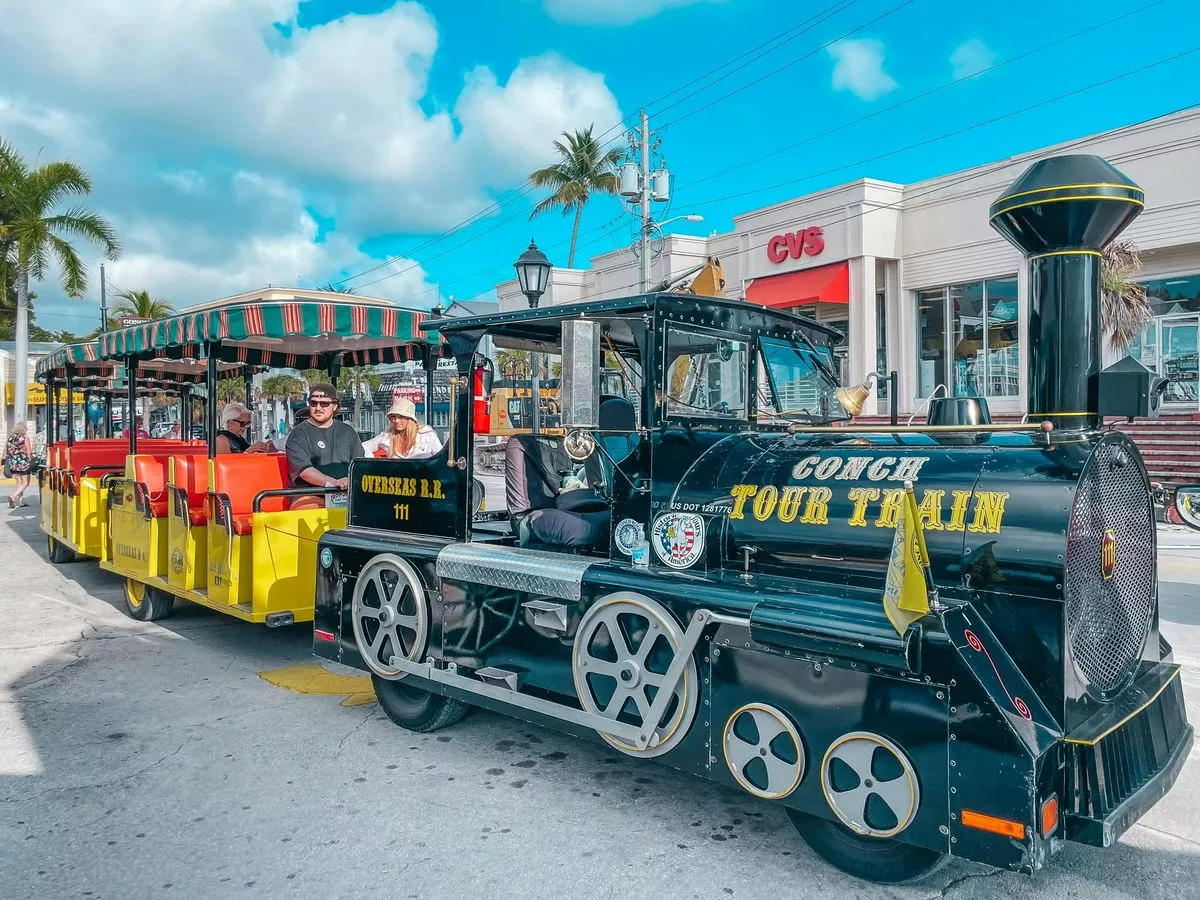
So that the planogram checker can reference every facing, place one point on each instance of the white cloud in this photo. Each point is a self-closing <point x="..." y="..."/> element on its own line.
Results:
<point x="858" y="68"/>
<point x="971" y="57"/>
<point x="611" y="12"/>
<point x="340" y="101"/>
<point x="176" y="116"/>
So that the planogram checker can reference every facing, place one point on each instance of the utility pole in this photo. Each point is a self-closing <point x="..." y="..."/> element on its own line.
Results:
<point x="103" y="302"/>
<point x="640" y="187"/>
<point x="647" y="221"/>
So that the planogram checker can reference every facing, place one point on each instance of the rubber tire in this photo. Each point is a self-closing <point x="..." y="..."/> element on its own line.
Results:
<point x="880" y="860"/>
<point x="417" y="709"/>
<point x="155" y="604"/>
<point x="58" y="552"/>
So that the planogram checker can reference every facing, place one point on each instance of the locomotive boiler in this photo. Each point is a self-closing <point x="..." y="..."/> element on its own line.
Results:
<point x="1036" y="703"/>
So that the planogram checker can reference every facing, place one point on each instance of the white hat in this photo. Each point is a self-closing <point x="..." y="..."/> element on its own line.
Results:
<point x="403" y="407"/>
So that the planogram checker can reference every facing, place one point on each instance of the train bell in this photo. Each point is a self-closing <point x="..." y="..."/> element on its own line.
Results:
<point x="853" y="398"/>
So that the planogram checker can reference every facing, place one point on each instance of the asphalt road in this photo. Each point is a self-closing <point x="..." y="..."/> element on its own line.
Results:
<point x="141" y="760"/>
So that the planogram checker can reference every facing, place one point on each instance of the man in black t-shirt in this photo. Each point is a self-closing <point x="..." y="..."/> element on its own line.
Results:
<point x="319" y="450"/>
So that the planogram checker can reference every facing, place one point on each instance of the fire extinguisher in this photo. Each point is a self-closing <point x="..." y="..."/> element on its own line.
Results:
<point x="482" y="392"/>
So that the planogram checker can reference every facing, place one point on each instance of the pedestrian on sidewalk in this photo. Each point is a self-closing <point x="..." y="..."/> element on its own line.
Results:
<point x="18" y="460"/>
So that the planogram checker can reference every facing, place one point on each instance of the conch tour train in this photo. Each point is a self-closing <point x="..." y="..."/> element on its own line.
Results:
<point x="921" y="641"/>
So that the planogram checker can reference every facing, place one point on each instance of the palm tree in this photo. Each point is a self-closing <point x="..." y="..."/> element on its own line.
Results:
<point x="1124" y="307"/>
<point x="230" y="390"/>
<point x="281" y="387"/>
<point x="362" y="382"/>
<point x="140" y="305"/>
<point x="583" y="168"/>
<point x="37" y="236"/>
<point x="514" y="363"/>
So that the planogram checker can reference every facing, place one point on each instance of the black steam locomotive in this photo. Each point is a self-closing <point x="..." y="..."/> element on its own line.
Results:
<point x="712" y="597"/>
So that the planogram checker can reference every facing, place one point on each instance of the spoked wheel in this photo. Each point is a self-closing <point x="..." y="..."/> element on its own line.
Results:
<point x="391" y="618"/>
<point x="873" y="790"/>
<point x="623" y="648"/>
<point x="146" y="604"/>
<point x="58" y="552"/>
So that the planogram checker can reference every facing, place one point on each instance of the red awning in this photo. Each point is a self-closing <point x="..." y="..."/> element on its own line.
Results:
<point x="825" y="284"/>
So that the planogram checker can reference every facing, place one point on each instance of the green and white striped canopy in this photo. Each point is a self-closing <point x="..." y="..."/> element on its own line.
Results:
<point x="84" y="355"/>
<point x="299" y="334"/>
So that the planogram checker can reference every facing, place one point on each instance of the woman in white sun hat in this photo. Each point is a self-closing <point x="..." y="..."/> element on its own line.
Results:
<point x="405" y="437"/>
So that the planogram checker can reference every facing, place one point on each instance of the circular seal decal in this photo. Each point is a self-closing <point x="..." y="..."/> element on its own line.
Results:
<point x="321" y="444"/>
<point x="326" y="557"/>
<point x="625" y="535"/>
<point x="678" y="538"/>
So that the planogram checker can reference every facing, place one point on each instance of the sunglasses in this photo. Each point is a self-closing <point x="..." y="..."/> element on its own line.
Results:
<point x="245" y="423"/>
<point x="321" y="404"/>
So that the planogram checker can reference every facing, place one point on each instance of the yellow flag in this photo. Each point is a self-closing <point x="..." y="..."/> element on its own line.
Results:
<point x="906" y="594"/>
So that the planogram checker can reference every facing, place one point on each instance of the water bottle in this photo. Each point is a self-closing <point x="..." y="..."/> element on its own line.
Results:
<point x="640" y="556"/>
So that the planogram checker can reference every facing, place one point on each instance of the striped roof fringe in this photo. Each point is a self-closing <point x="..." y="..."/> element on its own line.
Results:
<point x="183" y="335"/>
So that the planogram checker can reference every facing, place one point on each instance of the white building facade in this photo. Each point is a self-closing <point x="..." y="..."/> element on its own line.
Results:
<point x="921" y="283"/>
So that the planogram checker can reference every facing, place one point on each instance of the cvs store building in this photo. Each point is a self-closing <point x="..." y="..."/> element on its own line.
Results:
<point x="920" y="282"/>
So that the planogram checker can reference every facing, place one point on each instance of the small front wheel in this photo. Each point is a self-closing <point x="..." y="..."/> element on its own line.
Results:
<point x="58" y="552"/>
<point x="417" y="709"/>
<point x="882" y="860"/>
<point x="147" y="604"/>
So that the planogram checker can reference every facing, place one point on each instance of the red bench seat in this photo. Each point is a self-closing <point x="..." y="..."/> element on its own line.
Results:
<point x="240" y="476"/>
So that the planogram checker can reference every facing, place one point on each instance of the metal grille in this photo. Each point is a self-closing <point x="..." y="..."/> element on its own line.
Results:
<point x="1108" y="618"/>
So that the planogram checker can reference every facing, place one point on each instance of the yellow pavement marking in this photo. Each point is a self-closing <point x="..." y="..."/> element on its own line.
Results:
<point x="313" y="678"/>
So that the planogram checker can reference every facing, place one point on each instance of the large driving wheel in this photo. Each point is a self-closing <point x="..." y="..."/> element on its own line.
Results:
<point x="872" y="788"/>
<point x="58" y="552"/>
<point x="390" y="615"/>
<point x="623" y="648"/>
<point x="146" y="604"/>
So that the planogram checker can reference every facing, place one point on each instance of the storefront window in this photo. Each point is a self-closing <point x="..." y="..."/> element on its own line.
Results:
<point x="1169" y="344"/>
<point x="881" y="362"/>
<point x="978" y="320"/>
<point x="931" y="340"/>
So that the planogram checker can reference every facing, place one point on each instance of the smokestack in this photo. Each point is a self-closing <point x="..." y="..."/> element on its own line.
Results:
<point x="1061" y="213"/>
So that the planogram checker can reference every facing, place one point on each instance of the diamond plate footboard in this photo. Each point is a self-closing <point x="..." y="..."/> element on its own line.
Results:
<point x="531" y="571"/>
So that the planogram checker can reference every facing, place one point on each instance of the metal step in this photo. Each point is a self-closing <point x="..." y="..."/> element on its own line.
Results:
<point x="501" y="678"/>
<point x="548" y="614"/>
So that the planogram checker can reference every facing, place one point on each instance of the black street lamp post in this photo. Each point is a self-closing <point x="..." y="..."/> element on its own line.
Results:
<point x="533" y="275"/>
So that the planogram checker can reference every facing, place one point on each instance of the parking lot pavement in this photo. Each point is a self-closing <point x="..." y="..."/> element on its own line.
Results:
<point x="141" y="760"/>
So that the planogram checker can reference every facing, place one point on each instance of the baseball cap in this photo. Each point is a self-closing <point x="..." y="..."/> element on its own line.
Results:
<point x="322" y="390"/>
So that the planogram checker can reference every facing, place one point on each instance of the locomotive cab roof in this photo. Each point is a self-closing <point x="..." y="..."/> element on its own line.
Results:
<point x="538" y="328"/>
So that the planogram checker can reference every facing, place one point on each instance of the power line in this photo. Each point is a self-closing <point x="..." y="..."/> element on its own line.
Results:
<point x="929" y="140"/>
<point x="985" y="170"/>
<point x="516" y="193"/>
<point x="955" y="132"/>
<point x="879" y="18"/>
<point x="934" y="90"/>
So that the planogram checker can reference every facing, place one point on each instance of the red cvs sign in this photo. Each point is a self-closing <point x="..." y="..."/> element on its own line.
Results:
<point x="805" y="242"/>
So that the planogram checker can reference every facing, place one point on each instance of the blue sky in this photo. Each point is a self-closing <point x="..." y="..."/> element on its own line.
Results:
<point x="266" y="141"/>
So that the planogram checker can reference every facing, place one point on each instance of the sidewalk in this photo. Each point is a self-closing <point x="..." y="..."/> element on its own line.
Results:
<point x="1177" y="537"/>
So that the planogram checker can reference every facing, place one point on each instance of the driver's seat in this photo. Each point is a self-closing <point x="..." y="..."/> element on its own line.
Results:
<point x="544" y="517"/>
<point x="617" y="424"/>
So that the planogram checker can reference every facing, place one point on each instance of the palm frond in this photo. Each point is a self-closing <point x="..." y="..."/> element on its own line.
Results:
<point x="78" y="221"/>
<point x="71" y="271"/>
<point x="1125" y="309"/>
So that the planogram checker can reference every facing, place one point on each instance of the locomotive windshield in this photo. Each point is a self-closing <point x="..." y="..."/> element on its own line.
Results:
<point x="799" y="382"/>
<point x="706" y="375"/>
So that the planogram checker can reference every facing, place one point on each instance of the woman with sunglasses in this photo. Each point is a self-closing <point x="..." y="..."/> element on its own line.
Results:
<point x="405" y="437"/>
<point x="235" y="423"/>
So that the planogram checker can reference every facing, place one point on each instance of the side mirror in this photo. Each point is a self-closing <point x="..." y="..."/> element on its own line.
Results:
<point x="580" y="374"/>
<point x="1187" y="505"/>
